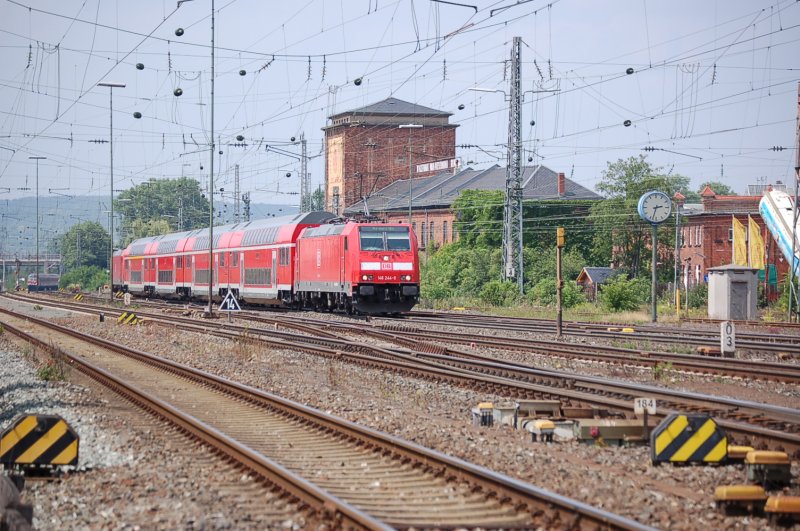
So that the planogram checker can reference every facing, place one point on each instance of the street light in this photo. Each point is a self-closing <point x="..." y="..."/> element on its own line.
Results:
<point x="111" y="86"/>
<point x="410" y="185"/>
<point x="37" y="159"/>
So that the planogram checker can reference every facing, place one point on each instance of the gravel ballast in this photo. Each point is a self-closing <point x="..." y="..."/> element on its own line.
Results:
<point x="617" y="479"/>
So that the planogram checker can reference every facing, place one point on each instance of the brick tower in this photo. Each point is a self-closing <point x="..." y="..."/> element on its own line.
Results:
<point x="368" y="149"/>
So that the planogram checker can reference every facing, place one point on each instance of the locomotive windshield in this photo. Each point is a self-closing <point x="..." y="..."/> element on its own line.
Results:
<point x="384" y="238"/>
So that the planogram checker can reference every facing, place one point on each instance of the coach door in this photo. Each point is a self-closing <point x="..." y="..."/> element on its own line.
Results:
<point x="241" y="272"/>
<point x="274" y="272"/>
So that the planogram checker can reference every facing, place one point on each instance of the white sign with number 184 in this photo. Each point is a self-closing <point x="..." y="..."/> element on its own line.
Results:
<point x="640" y="405"/>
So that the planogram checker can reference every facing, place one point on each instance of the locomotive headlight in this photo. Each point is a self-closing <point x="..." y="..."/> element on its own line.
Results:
<point x="385" y="258"/>
<point x="406" y="277"/>
<point x="366" y="277"/>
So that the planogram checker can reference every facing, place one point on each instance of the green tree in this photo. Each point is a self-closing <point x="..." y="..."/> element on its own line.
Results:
<point x="499" y="293"/>
<point x="315" y="201"/>
<point x="479" y="217"/>
<point x="142" y="229"/>
<point x="620" y="294"/>
<point x="169" y="200"/>
<point x="718" y="188"/>
<point x="85" y="244"/>
<point x="459" y="270"/>
<point x="541" y="264"/>
<point x="541" y="218"/>
<point x="545" y="293"/>
<point x="619" y="232"/>
<point x="89" y="278"/>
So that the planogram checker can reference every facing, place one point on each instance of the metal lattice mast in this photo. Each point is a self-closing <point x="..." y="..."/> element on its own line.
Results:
<point x="305" y="198"/>
<point x="512" y="211"/>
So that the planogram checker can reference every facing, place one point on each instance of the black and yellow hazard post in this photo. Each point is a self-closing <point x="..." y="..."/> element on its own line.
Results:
<point x="682" y="438"/>
<point x="78" y="297"/>
<point x="38" y="440"/>
<point x="129" y="318"/>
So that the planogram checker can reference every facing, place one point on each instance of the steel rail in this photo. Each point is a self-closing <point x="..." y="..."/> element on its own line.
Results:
<point x="572" y="512"/>
<point x="516" y="379"/>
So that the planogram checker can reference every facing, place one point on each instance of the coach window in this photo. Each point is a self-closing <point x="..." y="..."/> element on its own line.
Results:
<point x="179" y="262"/>
<point x="222" y="259"/>
<point x="235" y="259"/>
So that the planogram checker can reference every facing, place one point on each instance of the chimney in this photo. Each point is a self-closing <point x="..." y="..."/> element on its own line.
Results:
<point x="562" y="185"/>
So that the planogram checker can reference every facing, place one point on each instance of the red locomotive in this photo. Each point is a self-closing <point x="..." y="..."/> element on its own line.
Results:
<point x="310" y="260"/>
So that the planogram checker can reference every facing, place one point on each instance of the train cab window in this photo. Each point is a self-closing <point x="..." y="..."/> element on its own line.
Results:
<point x="384" y="238"/>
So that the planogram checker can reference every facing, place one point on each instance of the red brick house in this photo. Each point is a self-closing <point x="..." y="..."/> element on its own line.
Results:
<point x="707" y="235"/>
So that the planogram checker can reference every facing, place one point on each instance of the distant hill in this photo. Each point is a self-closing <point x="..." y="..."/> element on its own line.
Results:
<point x="58" y="214"/>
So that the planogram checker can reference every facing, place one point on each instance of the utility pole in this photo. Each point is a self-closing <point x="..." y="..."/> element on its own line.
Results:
<point x="37" y="159"/>
<point x="678" y="198"/>
<point x="512" y="210"/>
<point x="236" y="198"/>
<point x="305" y="199"/>
<point x="210" y="310"/>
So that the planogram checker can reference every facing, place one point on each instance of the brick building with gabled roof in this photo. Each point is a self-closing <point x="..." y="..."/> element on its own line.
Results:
<point x="367" y="149"/>
<point x="432" y="197"/>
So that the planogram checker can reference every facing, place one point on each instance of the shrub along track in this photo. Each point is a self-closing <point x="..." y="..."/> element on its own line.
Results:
<point x="760" y="425"/>
<point x="346" y="473"/>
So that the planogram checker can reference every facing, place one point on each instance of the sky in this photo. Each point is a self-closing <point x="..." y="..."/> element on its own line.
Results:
<point x="713" y="88"/>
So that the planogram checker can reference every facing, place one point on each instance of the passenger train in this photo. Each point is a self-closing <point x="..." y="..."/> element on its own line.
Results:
<point x="310" y="260"/>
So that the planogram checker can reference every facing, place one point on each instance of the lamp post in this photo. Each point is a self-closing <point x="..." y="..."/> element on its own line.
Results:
<point x="37" y="159"/>
<point x="111" y="86"/>
<point x="410" y="185"/>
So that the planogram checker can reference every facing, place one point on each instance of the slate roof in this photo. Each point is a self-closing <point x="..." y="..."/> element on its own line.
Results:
<point x="440" y="190"/>
<point x="598" y="275"/>
<point x="393" y="107"/>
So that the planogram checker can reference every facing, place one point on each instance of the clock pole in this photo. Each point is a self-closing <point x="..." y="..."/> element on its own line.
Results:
<point x="653" y="311"/>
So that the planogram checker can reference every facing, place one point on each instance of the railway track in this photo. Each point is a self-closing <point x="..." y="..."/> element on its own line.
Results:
<point x="748" y="340"/>
<point x="757" y="342"/>
<point x="431" y="341"/>
<point x="348" y="474"/>
<point x="761" y="425"/>
<point x="428" y="340"/>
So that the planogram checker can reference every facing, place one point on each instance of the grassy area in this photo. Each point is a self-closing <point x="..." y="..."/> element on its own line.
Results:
<point x="592" y="312"/>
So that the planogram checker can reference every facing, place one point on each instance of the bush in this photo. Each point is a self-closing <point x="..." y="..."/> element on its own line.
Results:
<point x="499" y="293"/>
<point x="620" y="294"/>
<point x="698" y="296"/>
<point x="88" y="277"/>
<point x="544" y="293"/>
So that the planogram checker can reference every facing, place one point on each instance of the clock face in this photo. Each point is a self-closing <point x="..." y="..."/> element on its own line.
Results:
<point x="655" y="207"/>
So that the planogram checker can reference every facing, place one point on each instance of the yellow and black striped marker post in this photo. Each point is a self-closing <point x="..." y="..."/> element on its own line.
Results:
<point x="118" y="295"/>
<point x="688" y="439"/>
<point x="129" y="318"/>
<point x="78" y="297"/>
<point x="39" y="440"/>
